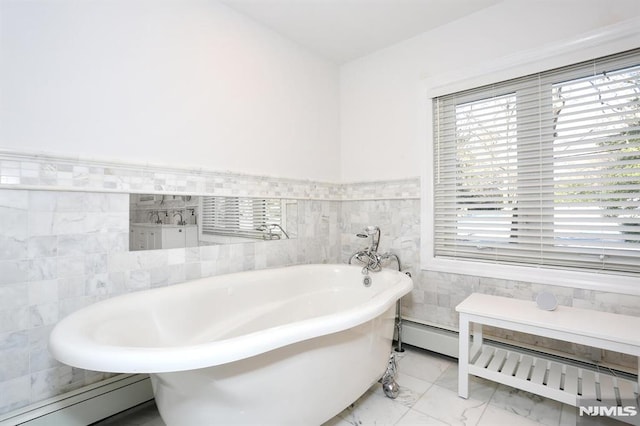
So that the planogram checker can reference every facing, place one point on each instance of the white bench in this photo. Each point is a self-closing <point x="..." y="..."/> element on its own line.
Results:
<point x="564" y="383"/>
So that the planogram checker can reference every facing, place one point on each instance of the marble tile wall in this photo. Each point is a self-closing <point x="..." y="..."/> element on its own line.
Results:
<point x="60" y="251"/>
<point x="54" y="258"/>
<point x="64" y="244"/>
<point x="41" y="171"/>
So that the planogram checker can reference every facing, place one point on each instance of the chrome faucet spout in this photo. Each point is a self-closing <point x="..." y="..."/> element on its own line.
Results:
<point x="369" y="257"/>
<point x="157" y="215"/>
<point x="391" y="256"/>
<point x="181" y="221"/>
<point x="270" y="227"/>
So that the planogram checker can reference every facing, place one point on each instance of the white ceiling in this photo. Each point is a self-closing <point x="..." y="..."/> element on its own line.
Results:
<point x="342" y="30"/>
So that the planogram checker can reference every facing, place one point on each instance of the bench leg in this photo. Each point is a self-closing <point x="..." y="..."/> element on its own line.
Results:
<point x="463" y="358"/>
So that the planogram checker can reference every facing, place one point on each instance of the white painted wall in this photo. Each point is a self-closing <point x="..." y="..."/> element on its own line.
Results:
<point x="381" y="123"/>
<point x="193" y="83"/>
<point x="188" y="82"/>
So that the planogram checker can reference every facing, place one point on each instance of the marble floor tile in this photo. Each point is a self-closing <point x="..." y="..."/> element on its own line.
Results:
<point x="337" y="421"/>
<point x="479" y="388"/>
<point x="416" y="418"/>
<point x="411" y="389"/>
<point x="374" y="408"/>
<point x="428" y="368"/>
<point x="445" y="405"/>
<point x="568" y="415"/>
<point x="493" y="416"/>
<point x="528" y="405"/>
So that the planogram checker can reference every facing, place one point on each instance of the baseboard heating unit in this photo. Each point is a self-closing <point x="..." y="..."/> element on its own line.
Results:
<point x="85" y="405"/>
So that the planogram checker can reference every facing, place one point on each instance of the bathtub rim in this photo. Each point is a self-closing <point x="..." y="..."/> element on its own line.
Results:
<point x="70" y="345"/>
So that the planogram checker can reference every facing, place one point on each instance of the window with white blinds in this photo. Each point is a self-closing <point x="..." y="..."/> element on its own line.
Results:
<point x="542" y="170"/>
<point x="240" y="217"/>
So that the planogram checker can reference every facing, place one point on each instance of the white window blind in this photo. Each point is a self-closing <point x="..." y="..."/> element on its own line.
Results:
<point x="238" y="216"/>
<point x="543" y="170"/>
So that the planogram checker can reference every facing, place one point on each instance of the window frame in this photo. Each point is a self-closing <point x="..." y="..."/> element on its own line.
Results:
<point x="603" y="42"/>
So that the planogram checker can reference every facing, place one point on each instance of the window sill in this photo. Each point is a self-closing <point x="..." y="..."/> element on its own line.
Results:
<point x="537" y="275"/>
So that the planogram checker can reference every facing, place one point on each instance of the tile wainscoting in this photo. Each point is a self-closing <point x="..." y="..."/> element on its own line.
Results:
<point x="43" y="171"/>
<point x="64" y="229"/>
<point x="62" y="250"/>
<point x="64" y="244"/>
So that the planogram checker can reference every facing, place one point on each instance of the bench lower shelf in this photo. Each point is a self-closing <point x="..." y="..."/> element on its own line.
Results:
<point x="561" y="382"/>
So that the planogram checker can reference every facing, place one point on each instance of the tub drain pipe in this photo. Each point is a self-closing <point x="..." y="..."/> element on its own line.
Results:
<point x="399" y="322"/>
<point x="399" y="327"/>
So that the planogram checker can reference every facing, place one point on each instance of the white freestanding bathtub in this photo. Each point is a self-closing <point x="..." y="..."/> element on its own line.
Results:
<point x="293" y="345"/>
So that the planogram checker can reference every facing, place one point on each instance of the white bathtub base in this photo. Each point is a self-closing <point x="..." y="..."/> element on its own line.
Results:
<point x="292" y="345"/>
<point x="107" y="398"/>
<point x="305" y="383"/>
<point x="88" y="407"/>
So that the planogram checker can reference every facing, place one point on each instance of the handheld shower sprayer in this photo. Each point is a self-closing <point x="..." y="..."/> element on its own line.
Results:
<point x="374" y="233"/>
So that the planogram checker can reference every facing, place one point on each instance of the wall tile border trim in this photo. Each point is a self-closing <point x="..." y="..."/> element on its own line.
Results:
<point x="43" y="171"/>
